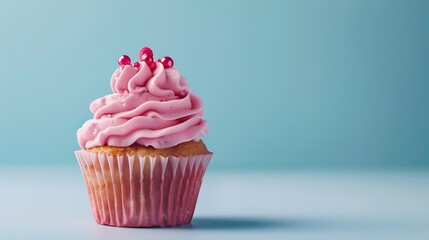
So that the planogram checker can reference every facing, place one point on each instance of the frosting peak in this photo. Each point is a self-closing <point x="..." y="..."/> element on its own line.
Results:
<point x="162" y="82"/>
<point x="150" y="106"/>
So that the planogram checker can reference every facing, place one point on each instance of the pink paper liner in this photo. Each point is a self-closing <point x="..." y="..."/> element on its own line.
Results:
<point x="142" y="191"/>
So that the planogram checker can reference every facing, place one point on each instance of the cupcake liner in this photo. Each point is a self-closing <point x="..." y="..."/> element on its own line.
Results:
<point x="142" y="191"/>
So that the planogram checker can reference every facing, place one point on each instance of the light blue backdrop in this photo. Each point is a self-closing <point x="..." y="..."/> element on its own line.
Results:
<point x="286" y="84"/>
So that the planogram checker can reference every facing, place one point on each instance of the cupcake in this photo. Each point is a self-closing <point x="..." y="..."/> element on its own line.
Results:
<point x="142" y="156"/>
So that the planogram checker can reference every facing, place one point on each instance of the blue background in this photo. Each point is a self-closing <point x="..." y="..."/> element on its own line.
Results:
<point x="286" y="84"/>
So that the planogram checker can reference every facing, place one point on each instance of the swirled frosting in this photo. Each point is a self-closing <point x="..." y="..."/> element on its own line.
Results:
<point x="146" y="108"/>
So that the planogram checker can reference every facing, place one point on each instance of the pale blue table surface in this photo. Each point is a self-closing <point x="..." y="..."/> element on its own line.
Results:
<point x="53" y="204"/>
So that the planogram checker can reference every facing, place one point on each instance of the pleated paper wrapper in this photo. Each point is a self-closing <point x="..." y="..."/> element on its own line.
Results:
<point x="142" y="191"/>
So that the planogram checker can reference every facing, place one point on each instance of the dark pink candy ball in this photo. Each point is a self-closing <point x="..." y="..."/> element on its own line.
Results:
<point x="167" y="62"/>
<point x="124" y="60"/>
<point x="146" y="51"/>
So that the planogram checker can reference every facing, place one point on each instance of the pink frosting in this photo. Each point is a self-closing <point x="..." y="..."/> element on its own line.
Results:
<point x="146" y="108"/>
